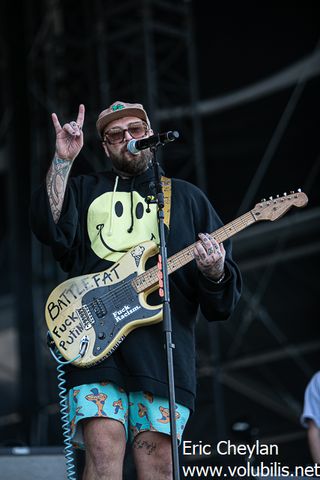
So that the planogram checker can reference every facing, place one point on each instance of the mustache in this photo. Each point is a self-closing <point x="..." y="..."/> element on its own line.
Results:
<point x="124" y="149"/>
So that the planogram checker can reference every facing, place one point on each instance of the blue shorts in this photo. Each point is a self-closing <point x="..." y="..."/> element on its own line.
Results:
<point x="137" y="411"/>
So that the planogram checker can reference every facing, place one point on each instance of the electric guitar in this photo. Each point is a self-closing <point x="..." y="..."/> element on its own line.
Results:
<point x="94" y="313"/>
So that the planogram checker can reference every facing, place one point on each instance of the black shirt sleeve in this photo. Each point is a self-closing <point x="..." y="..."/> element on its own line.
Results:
<point x="63" y="236"/>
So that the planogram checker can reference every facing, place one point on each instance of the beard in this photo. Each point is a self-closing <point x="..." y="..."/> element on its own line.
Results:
<point x="126" y="162"/>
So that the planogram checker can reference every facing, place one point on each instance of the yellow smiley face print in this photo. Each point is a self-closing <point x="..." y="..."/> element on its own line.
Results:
<point x="109" y="218"/>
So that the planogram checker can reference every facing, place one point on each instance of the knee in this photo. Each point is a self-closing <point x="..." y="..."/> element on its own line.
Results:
<point x="152" y="453"/>
<point x="159" y="467"/>
<point x="162" y="468"/>
<point x="105" y="444"/>
<point x="99" y="460"/>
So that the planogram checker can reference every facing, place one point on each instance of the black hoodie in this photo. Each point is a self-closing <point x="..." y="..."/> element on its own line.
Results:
<point x="102" y="217"/>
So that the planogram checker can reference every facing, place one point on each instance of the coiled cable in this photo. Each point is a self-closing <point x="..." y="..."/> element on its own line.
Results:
<point x="66" y="428"/>
<point x="63" y="396"/>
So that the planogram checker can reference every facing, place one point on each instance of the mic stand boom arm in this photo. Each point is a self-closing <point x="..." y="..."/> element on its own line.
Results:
<point x="167" y="324"/>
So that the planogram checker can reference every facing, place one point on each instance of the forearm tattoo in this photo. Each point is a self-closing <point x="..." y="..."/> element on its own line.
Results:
<point x="148" y="447"/>
<point x="57" y="178"/>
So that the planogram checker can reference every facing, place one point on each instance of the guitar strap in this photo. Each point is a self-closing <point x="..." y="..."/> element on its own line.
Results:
<point x="166" y="186"/>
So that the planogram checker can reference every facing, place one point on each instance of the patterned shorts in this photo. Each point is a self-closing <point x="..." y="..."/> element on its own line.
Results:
<point x="137" y="411"/>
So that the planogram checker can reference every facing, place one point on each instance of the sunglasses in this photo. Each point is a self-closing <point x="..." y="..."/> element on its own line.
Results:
<point x="116" y="135"/>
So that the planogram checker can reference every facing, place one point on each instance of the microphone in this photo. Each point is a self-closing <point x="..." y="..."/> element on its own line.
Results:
<point x="135" y="146"/>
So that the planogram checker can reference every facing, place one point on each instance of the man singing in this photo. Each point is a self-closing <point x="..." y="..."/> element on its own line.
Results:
<point x="90" y="222"/>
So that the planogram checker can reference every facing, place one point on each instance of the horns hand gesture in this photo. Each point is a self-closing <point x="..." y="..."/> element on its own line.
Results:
<point x="69" y="138"/>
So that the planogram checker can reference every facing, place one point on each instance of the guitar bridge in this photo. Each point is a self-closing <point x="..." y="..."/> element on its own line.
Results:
<point x="86" y="317"/>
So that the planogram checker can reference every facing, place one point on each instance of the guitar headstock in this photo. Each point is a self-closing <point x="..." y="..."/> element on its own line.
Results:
<point x="275" y="207"/>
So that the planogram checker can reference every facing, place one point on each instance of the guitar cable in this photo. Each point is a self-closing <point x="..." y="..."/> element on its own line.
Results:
<point x="66" y="428"/>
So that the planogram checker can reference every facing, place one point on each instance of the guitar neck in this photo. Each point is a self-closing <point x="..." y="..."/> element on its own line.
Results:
<point x="150" y="277"/>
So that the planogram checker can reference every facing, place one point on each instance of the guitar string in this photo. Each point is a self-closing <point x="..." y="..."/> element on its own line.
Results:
<point x="182" y="258"/>
<point x="120" y="293"/>
<point x="186" y="253"/>
<point x="238" y="224"/>
<point x="148" y="278"/>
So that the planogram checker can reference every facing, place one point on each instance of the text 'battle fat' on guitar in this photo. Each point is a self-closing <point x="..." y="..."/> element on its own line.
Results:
<point x="92" y="314"/>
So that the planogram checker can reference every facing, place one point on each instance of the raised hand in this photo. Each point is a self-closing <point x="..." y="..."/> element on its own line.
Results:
<point x="69" y="138"/>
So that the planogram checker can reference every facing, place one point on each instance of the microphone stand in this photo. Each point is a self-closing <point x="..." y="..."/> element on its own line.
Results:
<point x="167" y="324"/>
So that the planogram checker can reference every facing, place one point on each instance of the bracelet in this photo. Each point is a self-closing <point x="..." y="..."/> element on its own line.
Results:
<point x="220" y="279"/>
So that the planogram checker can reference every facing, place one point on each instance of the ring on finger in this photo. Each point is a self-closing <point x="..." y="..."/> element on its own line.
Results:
<point x="75" y="124"/>
<point x="210" y="251"/>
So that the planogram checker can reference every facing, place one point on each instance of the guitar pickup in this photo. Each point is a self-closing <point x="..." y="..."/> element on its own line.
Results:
<point x="99" y="307"/>
<point x="85" y="317"/>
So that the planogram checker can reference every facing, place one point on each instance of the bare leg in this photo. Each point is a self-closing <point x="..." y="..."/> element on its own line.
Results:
<point x="152" y="456"/>
<point x="105" y="441"/>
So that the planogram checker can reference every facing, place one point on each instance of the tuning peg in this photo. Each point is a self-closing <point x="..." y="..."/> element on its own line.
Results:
<point x="299" y="190"/>
<point x="263" y="199"/>
<point x="270" y="198"/>
<point x="291" y="192"/>
<point x="278" y="196"/>
<point x="285" y="194"/>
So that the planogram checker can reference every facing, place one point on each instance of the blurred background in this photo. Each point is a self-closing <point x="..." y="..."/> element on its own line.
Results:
<point x="241" y="85"/>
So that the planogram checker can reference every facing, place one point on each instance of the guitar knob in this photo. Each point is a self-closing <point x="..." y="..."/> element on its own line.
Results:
<point x="101" y="335"/>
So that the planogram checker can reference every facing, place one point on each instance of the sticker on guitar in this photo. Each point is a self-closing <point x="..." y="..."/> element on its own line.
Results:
<point x="137" y="253"/>
<point x="126" y="311"/>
